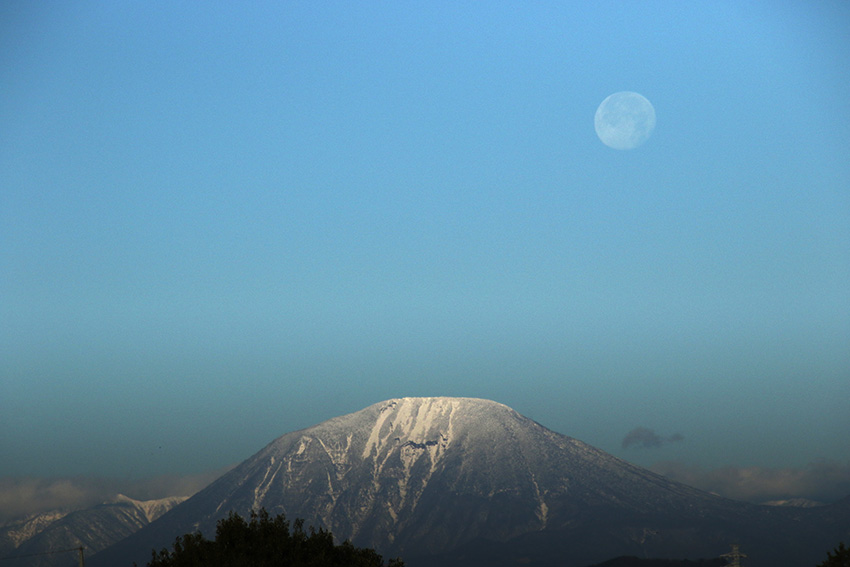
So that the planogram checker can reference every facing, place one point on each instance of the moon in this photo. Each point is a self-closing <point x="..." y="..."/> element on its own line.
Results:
<point x="624" y="120"/>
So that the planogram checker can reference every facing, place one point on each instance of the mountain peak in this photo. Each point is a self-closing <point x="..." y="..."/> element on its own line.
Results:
<point x="381" y="475"/>
<point x="424" y="423"/>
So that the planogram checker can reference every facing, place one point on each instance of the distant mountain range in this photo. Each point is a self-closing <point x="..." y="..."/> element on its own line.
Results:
<point x="454" y="482"/>
<point x="32" y="541"/>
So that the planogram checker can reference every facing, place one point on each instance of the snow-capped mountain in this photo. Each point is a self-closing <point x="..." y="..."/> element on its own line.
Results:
<point x="34" y="540"/>
<point x="14" y="533"/>
<point x="445" y="481"/>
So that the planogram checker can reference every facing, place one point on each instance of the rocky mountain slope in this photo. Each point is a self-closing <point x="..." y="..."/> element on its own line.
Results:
<point x="457" y="481"/>
<point x="30" y="542"/>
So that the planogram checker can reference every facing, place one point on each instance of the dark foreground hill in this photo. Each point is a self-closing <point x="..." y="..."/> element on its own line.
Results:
<point x="457" y="481"/>
<point x="631" y="561"/>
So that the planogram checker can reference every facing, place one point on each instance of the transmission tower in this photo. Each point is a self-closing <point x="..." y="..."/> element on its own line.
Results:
<point x="733" y="558"/>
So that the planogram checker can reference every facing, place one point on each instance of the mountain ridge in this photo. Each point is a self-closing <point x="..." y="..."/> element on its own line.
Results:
<point x="38" y="536"/>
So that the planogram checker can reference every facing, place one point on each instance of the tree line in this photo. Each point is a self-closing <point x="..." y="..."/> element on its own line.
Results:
<point x="264" y="541"/>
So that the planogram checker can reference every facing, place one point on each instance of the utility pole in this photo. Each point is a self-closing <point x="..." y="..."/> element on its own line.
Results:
<point x="82" y="558"/>
<point x="733" y="558"/>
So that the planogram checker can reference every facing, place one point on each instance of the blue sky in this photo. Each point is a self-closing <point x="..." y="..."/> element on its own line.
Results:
<point x="220" y="223"/>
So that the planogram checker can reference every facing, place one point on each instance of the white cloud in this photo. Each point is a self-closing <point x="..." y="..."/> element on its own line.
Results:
<point x="25" y="496"/>
<point x="823" y="481"/>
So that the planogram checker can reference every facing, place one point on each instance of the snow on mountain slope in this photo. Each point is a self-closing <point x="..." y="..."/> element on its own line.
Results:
<point x="13" y="534"/>
<point x="93" y="528"/>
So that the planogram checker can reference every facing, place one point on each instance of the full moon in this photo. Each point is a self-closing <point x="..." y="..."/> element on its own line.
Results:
<point x="624" y="120"/>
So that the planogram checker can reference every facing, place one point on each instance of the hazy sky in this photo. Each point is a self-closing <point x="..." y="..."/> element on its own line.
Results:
<point x="220" y="223"/>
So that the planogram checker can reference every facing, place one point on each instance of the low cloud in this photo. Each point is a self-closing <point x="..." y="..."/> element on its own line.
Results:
<point x="20" y="497"/>
<point x="823" y="481"/>
<point x="647" y="438"/>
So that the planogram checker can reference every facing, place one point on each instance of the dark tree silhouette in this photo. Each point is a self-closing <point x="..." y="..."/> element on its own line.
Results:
<point x="265" y="542"/>
<point x="839" y="557"/>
